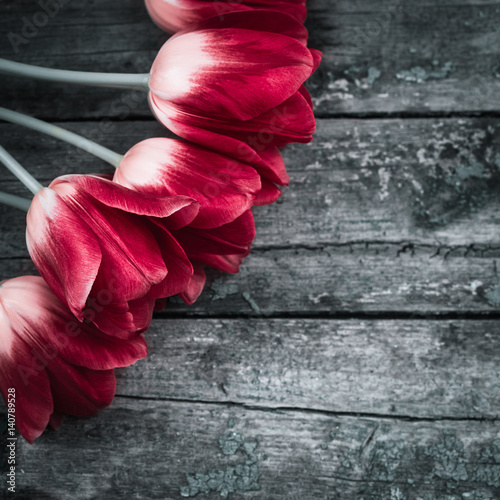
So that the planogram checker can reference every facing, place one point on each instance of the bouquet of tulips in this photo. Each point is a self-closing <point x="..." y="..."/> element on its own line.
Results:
<point x="111" y="248"/>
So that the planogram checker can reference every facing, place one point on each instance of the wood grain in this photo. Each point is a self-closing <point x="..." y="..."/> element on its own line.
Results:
<point x="345" y="280"/>
<point x="169" y="450"/>
<point x="380" y="56"/>
<point x="402" y="57"/>
<point x="416" y="369"/>
<point x="433" y="181"/>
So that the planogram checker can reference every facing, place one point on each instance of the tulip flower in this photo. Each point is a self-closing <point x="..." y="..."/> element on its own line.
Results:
<point x="52" y="365"/>
<point x="176" y="15"/>
<point x="224" y="187"/>
<point x="105" y="250"/>
<point x="160" y="167"/>
<point x="222" y="232"/>
<point x="234" y="86"/>
<point x="222" y="248"/>
<point x="240" y="91"/>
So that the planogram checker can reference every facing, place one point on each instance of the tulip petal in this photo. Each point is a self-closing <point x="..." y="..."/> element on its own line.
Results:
<point x="236" y="73"/>
<point x="268" y="194"/>
<point x="317" y="55"/>
<point x="266" y="159"/>
<point x="259" y="19"/>
<point x="180" y="269"/>
<point x="224" y="187"/>
<point x="116" y="196"/>
<point x="56" y="419"/>
<point x="70" y="272"/>
<point x="195" y="286"/>
<point x="124" y="320"/>
<point x="33" y="400"/>
<point x="81" y="391"/>
<point x="175" y="15"/>
<point x="226" y="263"/>
<point x="232" y="238"/>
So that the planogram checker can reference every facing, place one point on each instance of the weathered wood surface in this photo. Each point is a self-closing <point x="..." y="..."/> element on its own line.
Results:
<point x="375" y="279"/>
<point x="315" y="373"/>
<point x="173" y="450"/>
<point x="433" y="182"/>
<point x="416" y="369"/>
<point x="380" y="56"/>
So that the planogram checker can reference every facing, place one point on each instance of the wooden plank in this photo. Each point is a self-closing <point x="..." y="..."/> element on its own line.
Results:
<point x="82" y="36"/>
<point x="157" y="449"/>
<point x="396" y="56"/>
<point x="433" y="181"/>
<point x="424" y="369"/>
<point x="380" y="56"/>
<point x="350" y="279"/>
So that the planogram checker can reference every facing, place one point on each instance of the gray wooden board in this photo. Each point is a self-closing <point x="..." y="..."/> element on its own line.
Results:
<point x="380" y="56"/>
<point x="170" y="450"/>
<point x="348" y="279"/>
<point x="427" y="181"/>
<point x="425" y="369"/>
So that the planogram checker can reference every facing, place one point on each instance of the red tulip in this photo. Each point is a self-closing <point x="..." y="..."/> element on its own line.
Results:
<point x="224" y="187"/>
<point x="240" y="89"/>
<point x="221" y="234"/>
<point x="222" y="248"/>
<point x="105" y="250"/>
<point x="175" y="15"/>
<point x="53" y="364"/>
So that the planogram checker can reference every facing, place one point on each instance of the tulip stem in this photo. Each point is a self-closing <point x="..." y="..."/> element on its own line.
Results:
<point x="60" y="133"/>
<point x="113" y="80"/>
<point x="15" y="201"/>
<point x="18" y="170"/>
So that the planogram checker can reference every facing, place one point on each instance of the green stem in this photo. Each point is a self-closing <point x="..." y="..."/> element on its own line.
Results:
<point x="18" y="170"/>
<point x="113" y="80"/>
<point x="65" y="135"/>
<point x="15" y="201"/>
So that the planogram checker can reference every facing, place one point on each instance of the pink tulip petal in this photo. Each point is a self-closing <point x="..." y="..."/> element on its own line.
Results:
<point x="116" y="196"/>
<point x="226" y="263"/>
<point x="175" y="15"/>
<point x="69" y="271"/>
<point x="305" y="94"/>
<point x="224" y="187"/>
<point x="230" y="73"/>
<point x="179" y="267"/>
<point x="56" y="419"/>
<point x="81" y="391"/>
<point x="195" y="286"/>
<point x="268" y="194"/>
<point x="160" y="304"/>
<point x="232" y="238"/>
<point x="260" y="19"/>
<point x="125" y="320"/>
<point x="317" y="55"/>
<point x="264" y="158"/>
<point x="33" y="401"/>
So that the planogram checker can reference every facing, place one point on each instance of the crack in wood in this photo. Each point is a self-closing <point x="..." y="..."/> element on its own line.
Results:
<point x="316" y="411"/>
